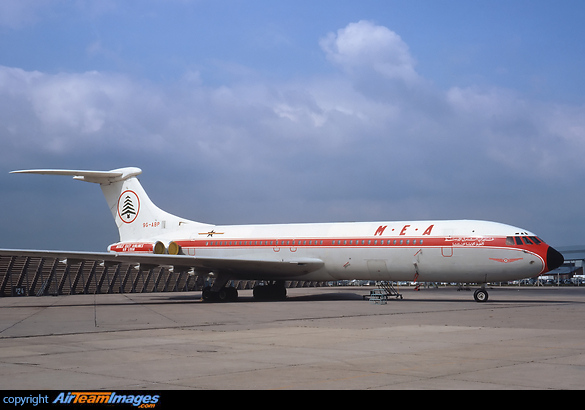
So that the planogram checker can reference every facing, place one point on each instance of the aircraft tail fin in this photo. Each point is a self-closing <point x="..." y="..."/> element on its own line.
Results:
<point x="136" y="216"/>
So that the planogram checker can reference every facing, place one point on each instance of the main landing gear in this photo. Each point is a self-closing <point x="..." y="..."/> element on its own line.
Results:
<point x="225" y="294"/>
<point x="275" y="290"/>
<point x="271" y="291"/>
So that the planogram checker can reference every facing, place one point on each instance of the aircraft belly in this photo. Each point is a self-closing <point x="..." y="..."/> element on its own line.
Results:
<point x="367" y="264"/>
<point x="457" y="264"/>
<point x="480" y="264"/>
<point x="463" y="264"/>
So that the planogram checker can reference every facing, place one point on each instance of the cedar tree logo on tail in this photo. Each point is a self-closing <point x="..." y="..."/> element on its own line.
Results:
<point x="128" y="206"/>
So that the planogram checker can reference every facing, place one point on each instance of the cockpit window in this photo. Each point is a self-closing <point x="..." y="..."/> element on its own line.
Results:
<point x="518" y="240"/>
<point x="523" y="240"/>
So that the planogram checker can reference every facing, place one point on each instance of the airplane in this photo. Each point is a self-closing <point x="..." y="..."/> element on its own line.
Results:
<point x="463" y="251"/>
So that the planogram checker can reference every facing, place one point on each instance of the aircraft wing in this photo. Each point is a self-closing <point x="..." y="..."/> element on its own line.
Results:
<point x="238" y="268"/>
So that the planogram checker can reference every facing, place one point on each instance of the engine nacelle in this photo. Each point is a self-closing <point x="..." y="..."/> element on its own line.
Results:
<point x="158" y="247"/>
<point x="174" y="248"/>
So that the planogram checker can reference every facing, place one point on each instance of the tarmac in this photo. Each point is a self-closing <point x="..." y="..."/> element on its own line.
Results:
<point x="317" y="339"/>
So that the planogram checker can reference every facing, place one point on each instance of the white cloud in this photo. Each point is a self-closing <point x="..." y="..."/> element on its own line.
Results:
<point x="76" y="102"/>
<point x="352" y="114"/>
<point x="363" y="46"/>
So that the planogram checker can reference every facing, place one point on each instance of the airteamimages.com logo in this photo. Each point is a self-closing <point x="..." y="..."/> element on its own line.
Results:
<point x="142" y="401"/>
<point x="76" y="398"/>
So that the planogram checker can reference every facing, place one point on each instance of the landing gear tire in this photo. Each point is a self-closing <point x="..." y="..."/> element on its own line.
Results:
<point x="480" y="295"/>
<point x="223" y="295"/>
<point x="227" y="294"/>
<point x="207" y="294"/>
<point x="274" y="291"/>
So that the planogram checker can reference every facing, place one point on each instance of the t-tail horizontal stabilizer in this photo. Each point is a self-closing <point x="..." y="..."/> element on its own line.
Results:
<point x="98" y="177"/>
<point x="136" y="216"/>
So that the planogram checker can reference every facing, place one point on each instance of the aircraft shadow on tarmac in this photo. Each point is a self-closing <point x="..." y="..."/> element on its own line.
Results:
<point x="497" y="297"/>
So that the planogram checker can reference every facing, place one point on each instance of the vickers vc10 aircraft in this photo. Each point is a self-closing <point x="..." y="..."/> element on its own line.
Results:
<point x="464" y="251"/>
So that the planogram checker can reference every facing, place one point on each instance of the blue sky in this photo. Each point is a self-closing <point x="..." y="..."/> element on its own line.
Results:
<point x="294" y="111"/>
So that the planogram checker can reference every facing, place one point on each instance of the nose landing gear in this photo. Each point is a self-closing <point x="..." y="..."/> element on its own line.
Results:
<point x="481" y="295"/>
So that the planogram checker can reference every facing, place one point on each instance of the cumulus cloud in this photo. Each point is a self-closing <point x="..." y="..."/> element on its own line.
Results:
<point x="64" y="112"/>
<point x="353" y="114"/>
<point x="363" y="47"/>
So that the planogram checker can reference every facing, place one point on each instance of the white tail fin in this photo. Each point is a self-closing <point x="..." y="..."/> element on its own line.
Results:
<point x="136" y="216"/>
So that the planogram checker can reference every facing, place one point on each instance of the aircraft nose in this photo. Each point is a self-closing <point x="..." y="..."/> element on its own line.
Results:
<point x="554" y="258"/>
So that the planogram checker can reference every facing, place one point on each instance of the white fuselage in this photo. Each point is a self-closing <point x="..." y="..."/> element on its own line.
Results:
<point x="423" y="251"/>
